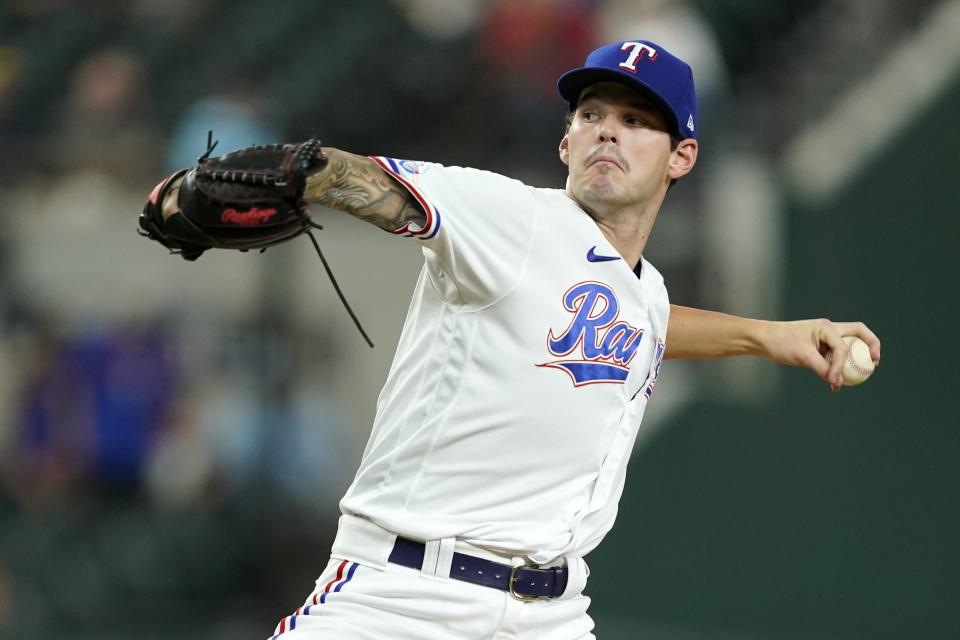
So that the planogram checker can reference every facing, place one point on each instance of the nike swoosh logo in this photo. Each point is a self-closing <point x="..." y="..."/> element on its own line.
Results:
<point x="593" y="257"/>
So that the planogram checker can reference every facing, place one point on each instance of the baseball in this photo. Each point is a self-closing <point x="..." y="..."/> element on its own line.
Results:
<point x="858" y="365"/>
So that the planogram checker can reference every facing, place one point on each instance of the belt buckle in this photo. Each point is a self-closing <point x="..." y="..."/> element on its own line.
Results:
<point x="513" y="580"/>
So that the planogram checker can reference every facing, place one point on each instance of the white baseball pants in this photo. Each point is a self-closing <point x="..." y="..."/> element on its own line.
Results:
<point x="367" y="598"/>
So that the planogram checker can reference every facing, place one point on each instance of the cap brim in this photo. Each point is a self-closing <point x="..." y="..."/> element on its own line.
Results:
<point x="572" y="83"/>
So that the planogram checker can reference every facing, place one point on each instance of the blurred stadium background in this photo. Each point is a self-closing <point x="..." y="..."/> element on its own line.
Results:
<point x="174" y="437"/>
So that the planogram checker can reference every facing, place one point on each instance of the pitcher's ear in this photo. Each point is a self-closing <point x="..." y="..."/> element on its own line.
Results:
<point x="565" y="150"/>
<point x="683" y="158"/>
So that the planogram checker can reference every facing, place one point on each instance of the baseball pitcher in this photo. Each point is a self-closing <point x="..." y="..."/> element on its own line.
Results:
<point x="530" y="351"/>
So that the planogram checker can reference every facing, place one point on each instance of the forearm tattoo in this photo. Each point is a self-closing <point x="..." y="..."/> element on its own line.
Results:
<point x="357" y="185"/>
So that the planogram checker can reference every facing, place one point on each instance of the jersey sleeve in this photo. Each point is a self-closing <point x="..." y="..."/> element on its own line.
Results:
<point x="478" y="230"/>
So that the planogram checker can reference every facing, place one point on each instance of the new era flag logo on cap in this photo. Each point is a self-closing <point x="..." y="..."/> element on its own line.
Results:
<point x="646" y="67"/>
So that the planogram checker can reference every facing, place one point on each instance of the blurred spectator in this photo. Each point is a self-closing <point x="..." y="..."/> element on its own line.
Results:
<point x="529" y="44"/>
<point x="253" y="421"/>
<point x="101" y="153"/>
<point x="238" y="113"/>
<point x="179" y="471"/>
<point x="211" y="452"/>
<point x="44" y="460"/>
<point x="105" y="126"/>
<point x="441" y="19"/>
<point x="91" y="408"/>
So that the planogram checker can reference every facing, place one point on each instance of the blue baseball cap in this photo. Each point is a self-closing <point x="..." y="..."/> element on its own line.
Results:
<point x="647" y="67"/>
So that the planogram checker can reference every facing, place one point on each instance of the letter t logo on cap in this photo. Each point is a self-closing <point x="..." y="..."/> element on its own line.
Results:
<point x="637" y="48"/>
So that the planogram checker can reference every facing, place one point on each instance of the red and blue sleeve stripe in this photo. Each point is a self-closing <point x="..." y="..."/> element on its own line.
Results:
<point x="344" y="574"/>
<point x="432" y="225"/>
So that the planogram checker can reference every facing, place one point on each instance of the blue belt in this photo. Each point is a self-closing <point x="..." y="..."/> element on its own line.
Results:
<point x="523" y="582"/>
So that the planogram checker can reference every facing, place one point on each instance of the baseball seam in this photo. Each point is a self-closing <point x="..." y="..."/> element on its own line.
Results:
<point x="856" y="367"/>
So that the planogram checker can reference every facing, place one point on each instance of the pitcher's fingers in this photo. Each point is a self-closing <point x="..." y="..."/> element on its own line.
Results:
<point x="820" y="365"/>
<point x="863" y="332"/>
<point x="830" y="336"/>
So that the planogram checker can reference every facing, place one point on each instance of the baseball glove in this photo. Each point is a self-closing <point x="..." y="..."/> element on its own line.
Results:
<point x="248" y="199"/>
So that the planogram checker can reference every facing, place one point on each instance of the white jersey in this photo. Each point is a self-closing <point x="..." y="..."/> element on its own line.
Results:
<point x="528" y="356"/>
